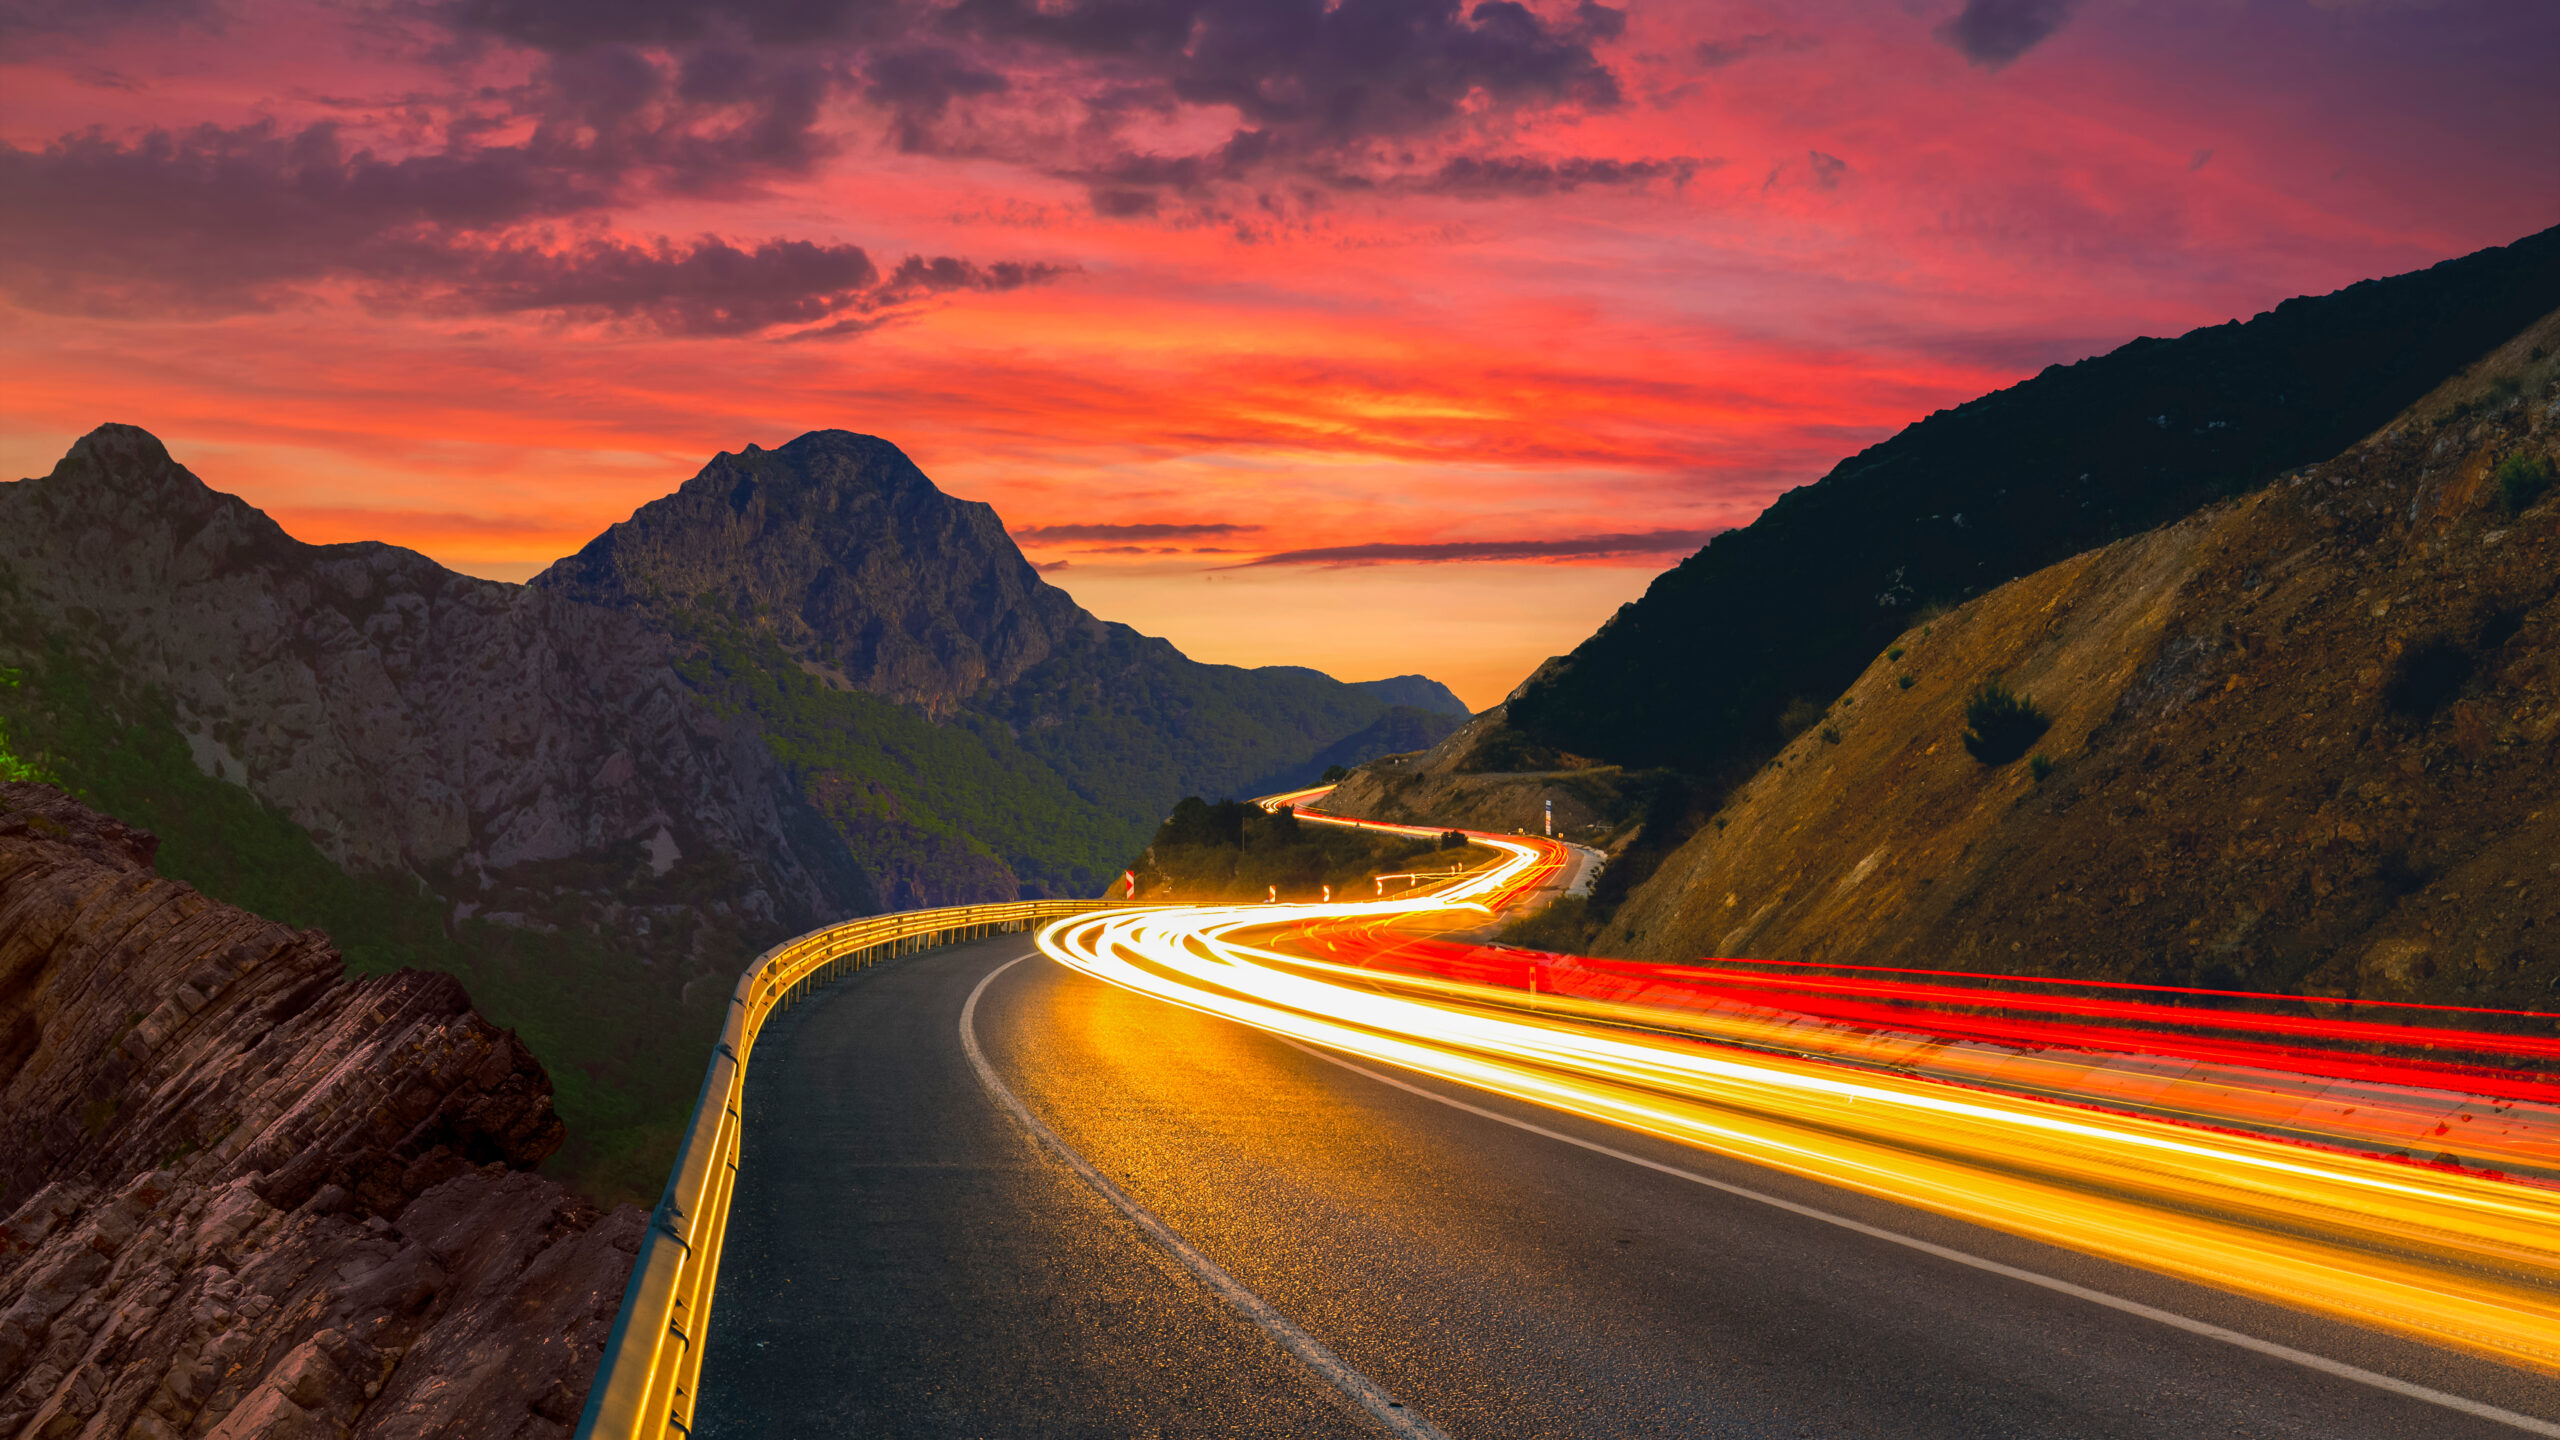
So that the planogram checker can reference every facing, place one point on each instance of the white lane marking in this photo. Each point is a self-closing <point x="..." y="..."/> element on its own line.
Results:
<point x="2304" y="1358"/>
<point x="1310" y="1351"/>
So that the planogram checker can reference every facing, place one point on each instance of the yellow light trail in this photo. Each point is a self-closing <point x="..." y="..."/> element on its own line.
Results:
<point x="2454" y="1259"/>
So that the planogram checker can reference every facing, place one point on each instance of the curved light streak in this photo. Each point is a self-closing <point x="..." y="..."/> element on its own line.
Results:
<point x="2457" y="1259"/>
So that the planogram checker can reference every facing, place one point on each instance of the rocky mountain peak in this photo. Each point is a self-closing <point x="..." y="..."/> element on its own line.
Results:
<point x="860" y="565"/>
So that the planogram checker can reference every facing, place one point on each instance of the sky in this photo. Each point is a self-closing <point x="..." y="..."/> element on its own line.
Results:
<point x="1376" y="335"/>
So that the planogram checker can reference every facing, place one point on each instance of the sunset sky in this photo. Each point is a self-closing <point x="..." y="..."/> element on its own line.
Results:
<point x="1379" y="336"/>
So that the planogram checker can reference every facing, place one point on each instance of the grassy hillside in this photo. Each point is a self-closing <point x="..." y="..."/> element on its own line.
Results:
<point x="626" y="1059"/>
<point x="2306" y="741"/>
<point x="908" y="794"/>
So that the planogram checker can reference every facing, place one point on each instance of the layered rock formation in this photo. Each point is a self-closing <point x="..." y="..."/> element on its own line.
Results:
<point x="411" y="719"/>
<point x="2306" y="740"/>
<point x="247" y="1196"/>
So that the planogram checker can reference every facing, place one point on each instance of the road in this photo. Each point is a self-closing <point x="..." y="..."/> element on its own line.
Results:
<point x="905" y="1258"/>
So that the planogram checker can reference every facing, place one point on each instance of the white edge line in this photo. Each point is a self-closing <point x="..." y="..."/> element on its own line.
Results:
<point x="2304" y="1358"/>
<point x="1309" y="1350"/>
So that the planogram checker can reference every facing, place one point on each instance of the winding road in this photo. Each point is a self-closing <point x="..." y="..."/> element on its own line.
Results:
<point x="1194" y="1227"/>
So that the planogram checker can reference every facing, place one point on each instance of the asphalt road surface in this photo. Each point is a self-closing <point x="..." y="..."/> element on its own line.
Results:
<point x="905" y="1258"/>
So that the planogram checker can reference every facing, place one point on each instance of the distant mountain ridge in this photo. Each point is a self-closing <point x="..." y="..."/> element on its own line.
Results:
<point x="1696" y="674"/>
<point x="1419" y="691"/>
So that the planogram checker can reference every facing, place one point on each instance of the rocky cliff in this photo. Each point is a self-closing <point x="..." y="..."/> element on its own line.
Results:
<point x="249" y="1196"/>
<point x="2305" y="740"/>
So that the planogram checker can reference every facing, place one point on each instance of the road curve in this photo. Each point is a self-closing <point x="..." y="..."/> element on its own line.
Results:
<point x="904" y="1258"/>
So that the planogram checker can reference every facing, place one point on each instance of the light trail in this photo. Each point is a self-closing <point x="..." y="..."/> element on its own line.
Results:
<point x="2444" y="1254"/>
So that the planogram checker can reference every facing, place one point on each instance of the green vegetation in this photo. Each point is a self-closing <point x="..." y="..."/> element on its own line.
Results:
<point x="1453" y="840"/>
<point x="2040" y="765"/>
<point x="13" y="767"/>
<point x="905" y="791"/>
<point x="1798" y="717"/>
<point x="1999" y="723"/>
<point x="1893" y="653"/>
<point x="625" y="1053"/>
<point x="1333" y="774"/>
<point x="1234" y="851"/>
<point x="1830" y="735"/>
<point x="1906" y="679"/>
<point x="1560" y="928"/>
<point x="2523" y="478"/>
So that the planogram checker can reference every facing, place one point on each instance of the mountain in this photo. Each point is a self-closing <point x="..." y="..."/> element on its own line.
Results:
<point x="2304" y="740"/>
<point x="473" y="734"/>
<point x="853" y="560"/>
<point x="931" y="693"/>
<point x="1419" y="691"/>
<point x="1697" y="674"/>
<point x="243" y="1190"/>
<point x="807" y="685"/>
<point x="444" y="772"/>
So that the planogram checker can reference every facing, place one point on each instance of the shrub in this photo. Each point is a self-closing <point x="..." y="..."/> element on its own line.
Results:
<point x="1906" y="679"/>
<point x="1830" y="736"/>
<point x="1797" y="717"/>
<point x="1560" y="928"/>
<point x="1999" y="723"/>
<point x="2039" y="765"/>
<point x="1453" y="839"/>
<point x="2523" y="478"/>
<point x="1894" y="653"/>
<point x="1333" y="774"/>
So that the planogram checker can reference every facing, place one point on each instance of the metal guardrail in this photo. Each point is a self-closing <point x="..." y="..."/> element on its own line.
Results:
<point x="645" y="1387"/>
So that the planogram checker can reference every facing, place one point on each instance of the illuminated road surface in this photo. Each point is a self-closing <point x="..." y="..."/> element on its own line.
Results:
<point x="905" y="1259"/>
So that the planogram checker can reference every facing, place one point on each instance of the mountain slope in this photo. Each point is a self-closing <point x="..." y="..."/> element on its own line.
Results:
<point x="2306" y="740"/>
<point x="1696" y="673"/>
<point x="809" y="578"/>
<point x="469" y="733"/>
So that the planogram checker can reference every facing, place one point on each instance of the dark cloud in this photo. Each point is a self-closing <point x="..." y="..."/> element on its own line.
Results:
<point x="1528" y="175"/>
<point x="1717" y="54"/>
<point x="1991" y="33"/>
<point x="1827" y="169"/>
<point x="216" y="220"/>
<point x="709" y="287"/>
<point x="568" y="25"/>
<point x="1579" y="547"/>
<point x="26" y="19"/>
<point x="1054" y="565"/>
<point x="917" y="83"/>
<point x="1318" y="85"/>
<point x="1058" y="534"/>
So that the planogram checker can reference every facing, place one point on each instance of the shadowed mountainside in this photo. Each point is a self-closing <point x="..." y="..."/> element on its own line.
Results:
<point x="246" y="1194"/>
<point x="1696" y="674"/>
<point x="2307" y="740"/>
